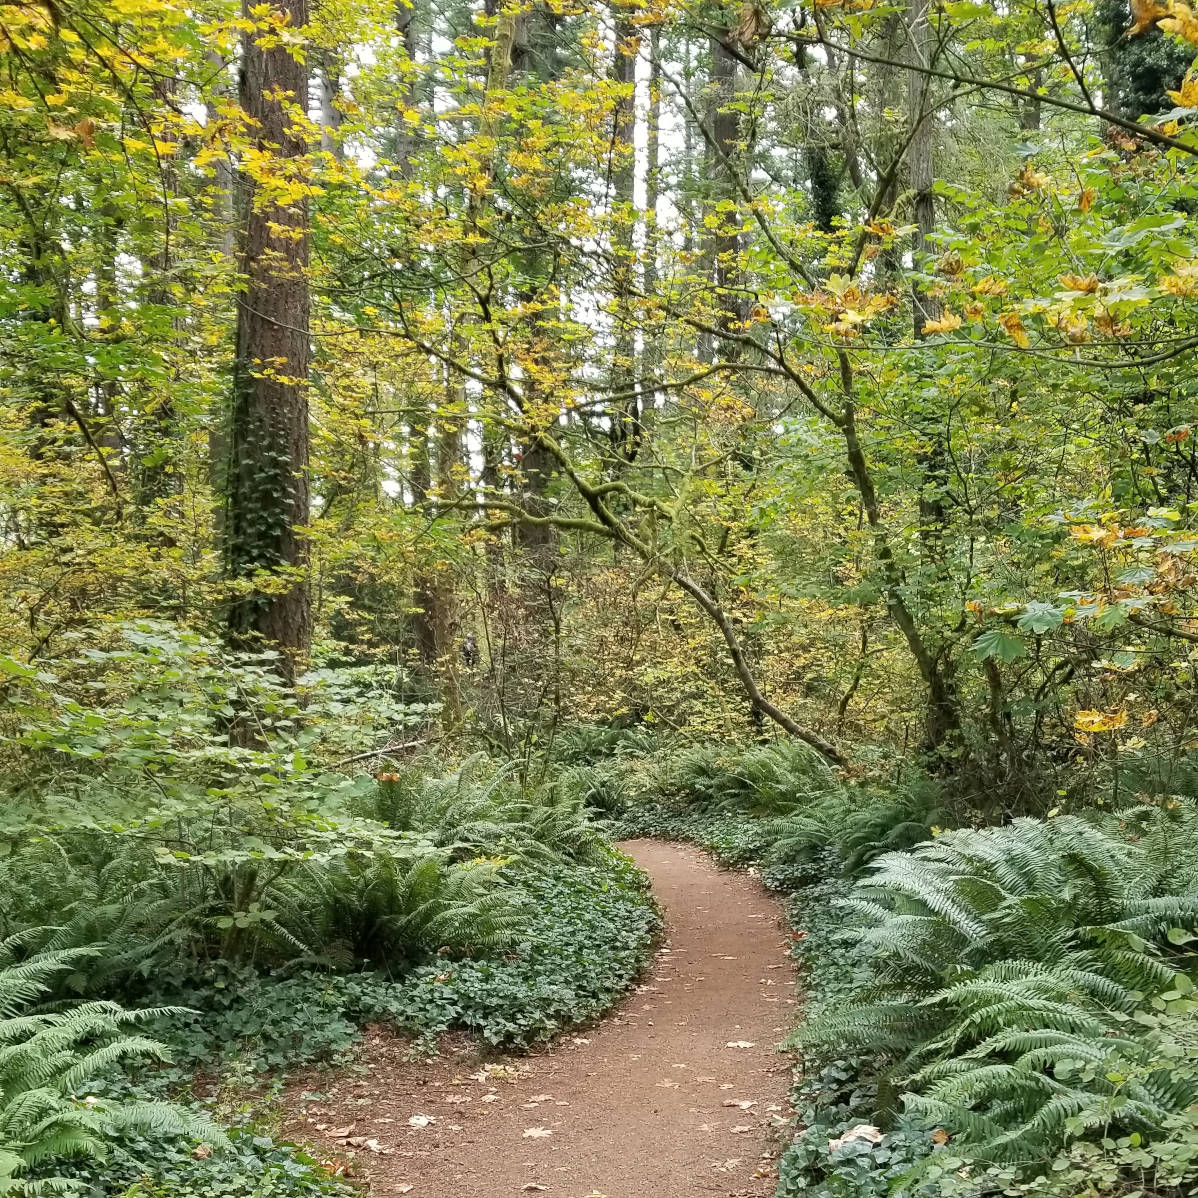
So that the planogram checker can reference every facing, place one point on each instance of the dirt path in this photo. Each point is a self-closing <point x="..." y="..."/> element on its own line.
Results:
<point x="678" y="1094"/>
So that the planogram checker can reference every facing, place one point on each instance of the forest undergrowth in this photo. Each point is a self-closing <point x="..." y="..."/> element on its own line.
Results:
<point x="990" y="1008"/>
<point x="1004" y="1009"/>
<point x="186" y="917"/>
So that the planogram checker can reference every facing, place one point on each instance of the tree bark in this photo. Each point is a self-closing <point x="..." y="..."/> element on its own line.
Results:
<point x="625" y="416"/>
<point x="267" y="486"/>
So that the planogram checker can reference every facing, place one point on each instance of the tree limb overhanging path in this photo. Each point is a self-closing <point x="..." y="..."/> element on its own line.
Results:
<point x="679" y="1093"/>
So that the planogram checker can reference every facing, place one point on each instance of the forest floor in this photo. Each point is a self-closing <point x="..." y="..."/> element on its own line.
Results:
<point x="679" y="1093"/>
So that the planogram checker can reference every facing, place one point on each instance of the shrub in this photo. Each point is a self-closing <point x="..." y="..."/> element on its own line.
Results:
<point x="47" y="1060"/>
<point x="1009" y="969"/>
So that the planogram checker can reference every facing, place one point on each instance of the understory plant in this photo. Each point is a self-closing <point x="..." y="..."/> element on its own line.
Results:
<point x="48" y="1059"/>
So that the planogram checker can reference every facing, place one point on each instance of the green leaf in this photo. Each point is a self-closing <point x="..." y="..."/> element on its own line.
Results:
<point x="1041" y="617"/>
<point x="999" y="643"/>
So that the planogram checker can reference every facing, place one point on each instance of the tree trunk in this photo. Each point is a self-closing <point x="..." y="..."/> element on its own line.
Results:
<point x="625" y="415"/>
<point x="267" y="487"/>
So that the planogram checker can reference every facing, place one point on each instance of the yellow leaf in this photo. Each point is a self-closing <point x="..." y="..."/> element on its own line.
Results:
<point x="1181" y="22"/>
<point x="1084" y="283"/>
<point x="1099" y="721"/>
<point x="1187" y="95"/>
<point x="1145" y="14"/>
<point x="947" y="323"/>
<point x="1013" y="327"/>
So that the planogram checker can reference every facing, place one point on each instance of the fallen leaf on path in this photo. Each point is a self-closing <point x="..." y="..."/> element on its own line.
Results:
<point x="581" y="1040"/>
<point x="528" y="1187"/>
<point x="743" y="1103"/>
<point x="740" y="1129"/>
<point x="404" y="1188"/>
<point x="740" y="1044"/>
<point x="541" y="1098"/>
<point x="339" y="1133"/>
<point x="421" y="1120"/>
<point x="731" y="1163"/>
<point x="371" y="1144"/>
<point x="489" y="1098"/>
<point x="456" y="1098"/>
<point x="536" y="1133"/>
<point x="669" y="1085"/>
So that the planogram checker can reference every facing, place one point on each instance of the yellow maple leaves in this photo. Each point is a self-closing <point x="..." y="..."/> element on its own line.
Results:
<point x="947" y="323"/>
<point x="1014" y="328"/>
<point x="1088" y="284"/>
<point x="1187" y="95"/>
<point x="1100" y="721"/>
<point x="1170" y="16"/>
<point x="1183" y="281"/>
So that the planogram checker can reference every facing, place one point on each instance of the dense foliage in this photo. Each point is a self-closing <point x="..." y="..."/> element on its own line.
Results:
<point x="257" y="903"/>
<point x="1006" y="1009"/>
<point x="430" y="432"/>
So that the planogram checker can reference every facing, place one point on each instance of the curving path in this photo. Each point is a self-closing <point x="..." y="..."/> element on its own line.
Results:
<point x="678" y="1094"/>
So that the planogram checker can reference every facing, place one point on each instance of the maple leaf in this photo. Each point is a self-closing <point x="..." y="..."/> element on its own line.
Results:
<point x="1145" y="14"/>
<point x="1181" y="22"/>
<point x="1099" y="721"/>
<point x="989" y="285"/>
<point x="1013" y="327"/>
<point x="1187" y="95"/>
<point x="946" y="323"/>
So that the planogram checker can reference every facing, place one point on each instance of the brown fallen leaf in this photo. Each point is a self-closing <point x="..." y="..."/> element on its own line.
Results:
<point x="339" y="1133"/>
<point x="740" y="1129"/>
<point x="530" y="1186"/>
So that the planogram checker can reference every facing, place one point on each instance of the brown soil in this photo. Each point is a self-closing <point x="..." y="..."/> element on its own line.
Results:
<point x="679" y="1093"/>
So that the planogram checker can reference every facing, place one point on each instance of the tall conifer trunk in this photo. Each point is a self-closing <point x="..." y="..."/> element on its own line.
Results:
<point x="267" y="495"/>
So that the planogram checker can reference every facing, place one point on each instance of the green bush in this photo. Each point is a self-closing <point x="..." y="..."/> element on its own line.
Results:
<point x="1008" y="973"/>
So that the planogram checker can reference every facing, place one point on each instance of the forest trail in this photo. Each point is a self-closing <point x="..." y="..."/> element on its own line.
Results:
<point x="677" y="1094"/>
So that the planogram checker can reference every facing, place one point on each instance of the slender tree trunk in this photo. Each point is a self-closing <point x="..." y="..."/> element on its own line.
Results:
<point x="650" y="350"/>
<point x="330" y="114"/>
<point x="625" y="414"/>
<point x="156" y="437"/>
<point x="267" y="497"/>
<point x="725" y="129"/>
